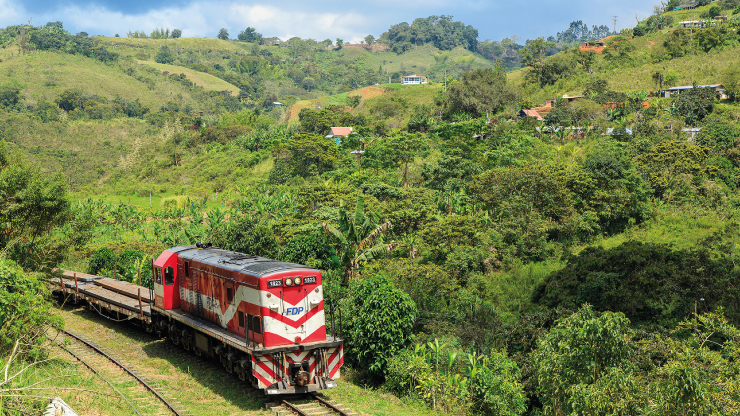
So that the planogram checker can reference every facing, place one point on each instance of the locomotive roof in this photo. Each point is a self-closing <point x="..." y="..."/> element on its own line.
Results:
<point x="253" y="265"/>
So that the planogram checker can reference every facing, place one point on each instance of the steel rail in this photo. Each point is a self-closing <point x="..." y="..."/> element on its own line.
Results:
<point x="101" y="376"/>
<point x="320" y="400"/>
<point x="329" y="405"/>
<point x="126" y="369"/>
<point x="292" y="407"/>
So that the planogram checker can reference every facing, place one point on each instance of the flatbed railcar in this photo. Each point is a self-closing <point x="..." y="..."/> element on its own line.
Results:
<point x="262" y="319"/>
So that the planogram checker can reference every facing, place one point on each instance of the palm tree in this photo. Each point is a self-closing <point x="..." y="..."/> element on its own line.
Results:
<point x="360" y="238"/>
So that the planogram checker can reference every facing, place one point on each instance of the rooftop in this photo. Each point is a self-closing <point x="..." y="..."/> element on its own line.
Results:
<point x="340" y="131"/>
<point x="245" y="263"/>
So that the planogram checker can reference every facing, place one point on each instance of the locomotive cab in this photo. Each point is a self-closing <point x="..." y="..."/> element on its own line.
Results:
<point x="166" y="292"/>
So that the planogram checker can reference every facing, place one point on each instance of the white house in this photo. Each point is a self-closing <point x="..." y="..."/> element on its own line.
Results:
<point x="413" y="80"/>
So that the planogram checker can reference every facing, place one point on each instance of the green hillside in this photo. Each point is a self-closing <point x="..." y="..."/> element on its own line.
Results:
<point x="201" y="79"/>
<point x="43" y="75"/>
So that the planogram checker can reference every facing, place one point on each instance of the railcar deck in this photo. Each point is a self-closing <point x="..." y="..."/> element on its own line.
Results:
<point x="119" y="297"/>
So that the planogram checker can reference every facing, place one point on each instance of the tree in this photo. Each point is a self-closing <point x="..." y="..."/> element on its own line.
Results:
<point x="312" y="155"/>
<point x="369" y="39"/>
<point x="694" y="104"/>
<point x="665" y="161"/>
<point x="534" y="51"/>
<point x="731" y="81"/>
<point x="382" y="321"/>
<point x="340" y="42"/>
<point x="223" y="34"/>
<point x="399" y="149"/>
<point x="176" y="33"/>
<point x="577" y="352"/>
<point x="164" y="56"/>
<point x="358" y="236"/>
<point x="481" y="92"/>
<point x="10" y="96"/>
<point x="249" y="35"/>
<point x="32" y="204"/>
<point x="69" y="100"/>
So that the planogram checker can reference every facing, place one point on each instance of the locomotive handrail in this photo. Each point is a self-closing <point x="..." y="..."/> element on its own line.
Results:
<point x="261" y="320"/>
<point x="333" y="327"/>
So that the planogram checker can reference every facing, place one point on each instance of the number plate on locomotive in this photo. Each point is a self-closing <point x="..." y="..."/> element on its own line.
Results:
<point x="274" y="283"/>
<point x="309" y="279"/>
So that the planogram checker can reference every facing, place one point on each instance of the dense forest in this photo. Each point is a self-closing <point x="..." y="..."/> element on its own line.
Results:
<point x="486" y="260"/>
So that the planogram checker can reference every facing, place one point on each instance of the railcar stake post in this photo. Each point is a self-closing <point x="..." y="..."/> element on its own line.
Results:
<point x="141" y="310"/>
<point x="139" y="277"/>
<point x="77" y="289"/>
<point x="115" y="268"/>
<point x="64" y="292"/>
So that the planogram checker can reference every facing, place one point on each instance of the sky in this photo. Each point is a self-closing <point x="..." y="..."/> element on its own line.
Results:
<point x="348" y="20"/>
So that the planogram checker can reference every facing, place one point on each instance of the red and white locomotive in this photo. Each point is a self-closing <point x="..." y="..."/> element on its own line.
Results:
<point x="262" y="318"/>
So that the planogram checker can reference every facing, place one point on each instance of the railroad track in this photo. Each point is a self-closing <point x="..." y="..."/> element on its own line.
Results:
<point x="308" y="405"/>
<point x="119" y="376"/>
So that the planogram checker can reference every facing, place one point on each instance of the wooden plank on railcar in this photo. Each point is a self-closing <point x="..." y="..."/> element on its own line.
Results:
<point x="81" y="277"/>
<point x="125" y="288"/>
<point x="105" y="295"/>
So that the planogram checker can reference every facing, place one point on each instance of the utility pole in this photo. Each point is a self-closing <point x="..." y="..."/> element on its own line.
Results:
<point x="615" y="24"/>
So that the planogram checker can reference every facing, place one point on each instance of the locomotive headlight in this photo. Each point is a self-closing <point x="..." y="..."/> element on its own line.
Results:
<point x="289" y="282"/>
<point x="297" y="281"/>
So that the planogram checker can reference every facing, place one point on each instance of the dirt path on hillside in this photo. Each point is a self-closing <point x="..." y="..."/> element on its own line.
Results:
<point x="365" y="93"/>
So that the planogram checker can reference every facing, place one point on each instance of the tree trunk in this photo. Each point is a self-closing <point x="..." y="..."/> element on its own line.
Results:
<point x="405" y="172"/>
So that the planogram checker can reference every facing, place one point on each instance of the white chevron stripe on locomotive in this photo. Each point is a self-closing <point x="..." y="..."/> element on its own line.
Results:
<point x="272" y="325"/>
<point x="297" y="356"/>
<point x="275" y="326"/>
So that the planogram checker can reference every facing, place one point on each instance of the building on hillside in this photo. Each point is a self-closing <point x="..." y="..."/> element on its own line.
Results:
<point x="693" y="24"/>
<point x="337" y="133"/>
<point x="691" y="133"/>
<point x="531" y="113"/>
<point x="596" y="46"/>
<point x="687" y="5"/>
<point x="674" y="91"/>
<point x="413" y="80"/>
<point x="618" y="132"/>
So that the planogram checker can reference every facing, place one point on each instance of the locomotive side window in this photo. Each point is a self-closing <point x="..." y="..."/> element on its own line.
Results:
<point x="187" y="269"/>
<point x="229" y="294"/>
<point x="158" y="275"/>
<point x="255" y="324"/>
<point x="169" y="276"/>
<point x="241" y="319"/>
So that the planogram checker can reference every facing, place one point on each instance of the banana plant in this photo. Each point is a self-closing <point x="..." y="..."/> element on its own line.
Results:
<point x="359" y="237"/>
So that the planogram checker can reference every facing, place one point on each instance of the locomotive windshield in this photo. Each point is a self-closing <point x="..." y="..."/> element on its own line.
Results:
<point x="169" y="276"/>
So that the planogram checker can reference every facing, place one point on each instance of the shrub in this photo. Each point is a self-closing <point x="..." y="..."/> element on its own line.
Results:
<point x="25" y="312"/>
<point x="496" y="387"/>
<point x="404" y="369"/>
<point x="383" y="317"/>
<point x="578" y="352"/>
<point x="103" y="259"/>
<point x="129" y="263"/>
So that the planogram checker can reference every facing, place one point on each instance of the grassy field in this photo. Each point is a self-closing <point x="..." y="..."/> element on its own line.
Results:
<point x="201" y="79"/>
<point x="43" y="75"/>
